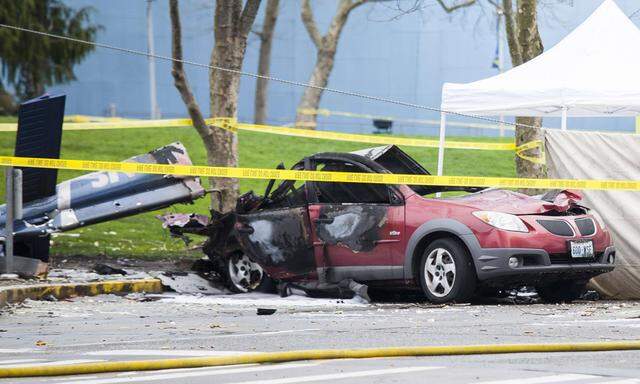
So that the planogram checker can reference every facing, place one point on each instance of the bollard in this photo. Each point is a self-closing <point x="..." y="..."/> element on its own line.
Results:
<point x="8" y="226"/>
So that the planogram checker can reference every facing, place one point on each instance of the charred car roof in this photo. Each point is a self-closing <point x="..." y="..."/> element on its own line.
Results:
<point x="390" y="159"/>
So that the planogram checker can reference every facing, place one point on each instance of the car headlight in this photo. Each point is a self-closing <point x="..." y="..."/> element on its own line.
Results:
<point x="598" y="218"/>
<point x="502" y="220"/>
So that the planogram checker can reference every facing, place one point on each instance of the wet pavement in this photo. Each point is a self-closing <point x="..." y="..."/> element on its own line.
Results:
<point x="171" y="325"/>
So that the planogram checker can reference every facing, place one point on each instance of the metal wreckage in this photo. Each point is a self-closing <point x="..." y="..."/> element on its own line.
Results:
<point x="339" y="239"/>
<point x="89" y="199"/>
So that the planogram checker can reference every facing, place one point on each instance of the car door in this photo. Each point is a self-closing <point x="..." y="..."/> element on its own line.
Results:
<point x="356" y="228"/>
<point x="279" y="239"/>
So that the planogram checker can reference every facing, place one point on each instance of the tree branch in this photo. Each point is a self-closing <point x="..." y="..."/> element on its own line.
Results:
<point x="357" y="3"/>
<point x="310" y="24"/>
<point x="495" y="4"/>
<point x="512" y="33"/>
<point x="179" y="77"/>
<point x="339" y="20"/>
<point x="450" y="9"/>
<point x="248" y="16"/>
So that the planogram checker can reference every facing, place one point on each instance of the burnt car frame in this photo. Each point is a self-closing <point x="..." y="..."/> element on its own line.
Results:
<point x="323" y="234"/>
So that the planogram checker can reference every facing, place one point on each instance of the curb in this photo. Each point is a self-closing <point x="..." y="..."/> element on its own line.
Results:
<point x="17" y="293"/>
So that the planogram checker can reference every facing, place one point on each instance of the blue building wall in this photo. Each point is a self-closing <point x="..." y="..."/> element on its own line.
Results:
<point x="406" y="58"/>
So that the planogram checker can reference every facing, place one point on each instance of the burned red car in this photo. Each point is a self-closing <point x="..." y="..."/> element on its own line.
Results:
<point x="319" y="235"/>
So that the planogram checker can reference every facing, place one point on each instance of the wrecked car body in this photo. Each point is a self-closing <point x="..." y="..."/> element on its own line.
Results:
<point x="89" y="199"/>
<point x="323" y="234"/>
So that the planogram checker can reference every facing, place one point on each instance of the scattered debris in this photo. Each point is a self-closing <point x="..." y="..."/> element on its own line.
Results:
<point x="265" y="311"/>
<point x="184" y="282"/>
<point x="590" y="296"/>
<point x="346" y="289"/>
<point x="142" y="297"/>
<point x="104" y="269"/>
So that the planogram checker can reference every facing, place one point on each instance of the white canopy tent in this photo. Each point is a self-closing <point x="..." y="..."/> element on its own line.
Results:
<point x="594" y="71"/>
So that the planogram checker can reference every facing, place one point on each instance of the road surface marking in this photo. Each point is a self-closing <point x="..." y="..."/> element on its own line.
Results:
<point x="16" y="350"/>
<point x="165" y="352"/>
<point x="163" y="371"/>
<point x="67" y="378"/>
<point x="543" y="379"/>
<point x="198" y="338"/>
<point x="58" y="362"/>
<point x="339" y="376"/>
<point x="190" y="373"/>
<point x="18" y="361"/>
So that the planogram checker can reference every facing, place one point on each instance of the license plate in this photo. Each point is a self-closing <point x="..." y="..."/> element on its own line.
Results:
<point x="582" y="249"/>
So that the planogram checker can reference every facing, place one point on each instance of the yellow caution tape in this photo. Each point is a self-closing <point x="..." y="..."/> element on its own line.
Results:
<point x="375" y="139"/>
<point x="232" y="125"/>
<point x="346" y="177"/>
<point x="535" y="144"/>
<point x="118" y="124"/>
<point x="89" y="119"/>
<point x="326" y="112"/>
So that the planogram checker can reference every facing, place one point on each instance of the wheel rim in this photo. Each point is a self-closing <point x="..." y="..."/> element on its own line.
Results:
<point x="244" y="274"/>
<point x="440" y="272"/>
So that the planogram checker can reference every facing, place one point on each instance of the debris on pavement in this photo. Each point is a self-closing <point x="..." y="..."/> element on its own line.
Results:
<point x="104" y="269"/>
<point x="590" y="295"/>
<point x="190" y="283"/>
<point x="346" y="289"/>
<point x="265" y="311"/>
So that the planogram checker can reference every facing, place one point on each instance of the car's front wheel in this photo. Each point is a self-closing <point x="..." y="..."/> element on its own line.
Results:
<point x="446" y="272"/>
<point x="562" y="291"/>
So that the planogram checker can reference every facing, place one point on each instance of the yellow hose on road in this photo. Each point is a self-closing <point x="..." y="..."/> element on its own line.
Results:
<point x="319" y="354"/>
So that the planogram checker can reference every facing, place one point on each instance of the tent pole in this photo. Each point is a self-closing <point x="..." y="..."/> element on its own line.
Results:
<point x="443" y="125"/>
<point x="563" y="126"/>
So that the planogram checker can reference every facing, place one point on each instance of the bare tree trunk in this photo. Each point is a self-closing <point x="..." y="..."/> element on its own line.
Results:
<point x="264" y="61"/>
<point x="311" y="96"/>
<point x="232" y="24"/>
<point x="525" y="43"/>
<point x="179" y="77"/>
<point x="326" y="47"/>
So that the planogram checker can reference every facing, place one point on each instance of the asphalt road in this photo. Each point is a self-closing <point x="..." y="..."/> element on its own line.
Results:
<point x="108" y="328"/>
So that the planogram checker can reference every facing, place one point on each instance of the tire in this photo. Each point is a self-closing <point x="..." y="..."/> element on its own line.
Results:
<point x="447" y="273"/>
<point x="562" y="291"/>
<point x="242" y="274"/>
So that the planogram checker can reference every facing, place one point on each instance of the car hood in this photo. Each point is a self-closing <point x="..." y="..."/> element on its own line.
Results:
<point x="518" y="203"/>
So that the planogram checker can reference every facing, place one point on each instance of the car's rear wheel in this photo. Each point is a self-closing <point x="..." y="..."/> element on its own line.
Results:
<point x="562" y="291"/>
<point x="446" y="272"/>
<point x="243" y="275"/>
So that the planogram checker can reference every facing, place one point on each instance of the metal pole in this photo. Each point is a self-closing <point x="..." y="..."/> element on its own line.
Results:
<point x="443" y="126"/>
<point x="563" y="125"/>
<point x="153" y="103"/>
<point x="17" y="194"/>
<point x="9" y="217"/>
<point x="500" y="61"/>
